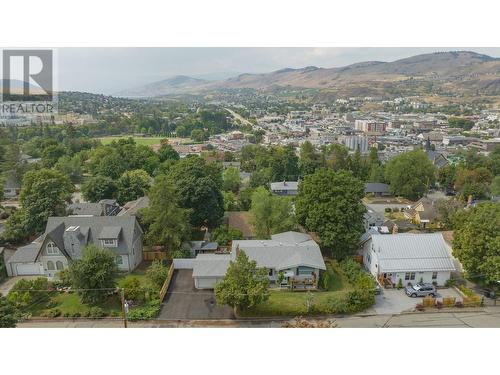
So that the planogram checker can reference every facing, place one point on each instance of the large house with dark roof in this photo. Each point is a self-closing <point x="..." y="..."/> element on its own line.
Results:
<point x="66" y="237"/>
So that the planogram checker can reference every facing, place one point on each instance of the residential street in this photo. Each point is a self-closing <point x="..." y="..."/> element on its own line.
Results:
<point x="489" y="318"/>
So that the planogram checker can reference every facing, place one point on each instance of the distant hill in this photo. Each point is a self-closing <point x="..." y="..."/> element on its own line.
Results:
<point x="167" y="86"/>
<point x="438" y="73"/>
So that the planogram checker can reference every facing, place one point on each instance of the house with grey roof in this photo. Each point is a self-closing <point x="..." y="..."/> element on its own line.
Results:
<point x="377" y="189"/>
<point x="105" y="207"/>
<point x="296" y="256"/>
<point x="408" y="257"/>
<point x="285" y="188"/>
<point x="65" y="238"/>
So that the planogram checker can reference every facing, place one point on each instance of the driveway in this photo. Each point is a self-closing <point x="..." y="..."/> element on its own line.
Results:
<point x="183" y="301"/>
<point x="393" y="301"/>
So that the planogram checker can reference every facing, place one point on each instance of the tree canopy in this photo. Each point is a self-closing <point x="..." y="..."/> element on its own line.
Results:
<point x="410" y="174"/>
<point x="94" y="275"/>
<point x="271" y="214"/>
<point x="329" y="203"/>
<point x="476" y="241"/>
<point x="132" y="185"/>
<point x="244" y="285"/>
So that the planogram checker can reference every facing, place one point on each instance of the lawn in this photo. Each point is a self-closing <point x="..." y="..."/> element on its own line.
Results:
<point x="287" y="303"/>
<point x="68" y="303"/>
<point x="147" y="141"/>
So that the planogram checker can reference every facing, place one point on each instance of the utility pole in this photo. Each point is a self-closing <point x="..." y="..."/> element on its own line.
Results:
<point x="124" y="307"/>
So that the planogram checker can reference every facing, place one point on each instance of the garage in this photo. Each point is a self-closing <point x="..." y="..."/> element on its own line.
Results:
<point x="24" y="269"/>
<point x="208" y="269"/>
<point x="206" y="282"/>
<point x="23" y="261"/>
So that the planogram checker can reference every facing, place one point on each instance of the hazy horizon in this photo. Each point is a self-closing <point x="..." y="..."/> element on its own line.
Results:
<point x="109" y="70"/>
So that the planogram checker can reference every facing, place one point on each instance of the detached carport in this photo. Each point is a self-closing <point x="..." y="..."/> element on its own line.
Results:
<point x="184" y="302"/>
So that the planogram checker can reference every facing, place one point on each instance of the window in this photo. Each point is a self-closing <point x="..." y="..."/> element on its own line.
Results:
<point x="410" y="276"/>
<point x="119" y="260"/>
<point x="59" y="265"/>
<point x="52" y="248"/>
<point x="270" y="271"/>
<point x="434" y="275"/>
<point x="109" y="243"/>
<point x="369" y="258"/>
<point x="305" y="271"/>
<point x="50" y="265"/>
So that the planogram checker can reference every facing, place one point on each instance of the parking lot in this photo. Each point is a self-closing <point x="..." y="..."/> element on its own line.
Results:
<point x="394" y="301"/>
<point x="184" y="302"/>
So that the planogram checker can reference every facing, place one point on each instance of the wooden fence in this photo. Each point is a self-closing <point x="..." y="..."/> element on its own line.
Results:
<point x="154" y="255"/>
<point x="166" y="284"/>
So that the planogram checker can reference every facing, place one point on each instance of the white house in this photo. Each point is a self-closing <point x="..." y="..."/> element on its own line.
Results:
<point x="408" y="257"/>
<point x="295" y="255"/>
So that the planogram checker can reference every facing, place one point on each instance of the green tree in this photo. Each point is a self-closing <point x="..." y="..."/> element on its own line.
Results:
<point x="231" y="202"/>
<point x="261" y="177"/>
<point x="310" y="159"/>
<point x="165" y="223"/>
<point x="410" y="174"/>
<point x="52" y="153"/>
<point x="45" y="193"/>
<point x="198" y="185"/>
<point x="244" y="285"/>
<point x="329" y="203"/>
<point x="476" y="242"/>
<point x="8" y="313"/>
<point x="157" y="273"/>
<point x="495" y="186"/>
<point x="231" y="178"/>
<point x="132" y="185"/>
<point x="94" y="275"/>
<point x="16" y="230"/>
<point x="167" y="152"/>
<point x="271" y="214"/>
<point x="71" y="167"/>
<point x="223" y="235"/>
<point x="446" y="177"/>
<point x="99" y="187"/>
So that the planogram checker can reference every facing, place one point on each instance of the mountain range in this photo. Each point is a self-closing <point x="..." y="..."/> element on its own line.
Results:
<point x="455" y="73"/>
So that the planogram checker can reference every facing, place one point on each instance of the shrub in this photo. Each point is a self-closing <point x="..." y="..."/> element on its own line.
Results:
<point x="450" y="282"/>
<point x="76" y="314"/>
<point x="64" y="279"/>
<point x="356" y="275"/>
<point x="53" y="313"/>
<point x="133" y="290"/>
<point x="351" y="302"/>
<point x="96" y="312"/>
<point x="388" y="209"/>
<point x="400" y="284"/>
<point x="157" y="274"/>
<point x="66" y="314"/>
<point x="149" y="311"/>
<point x="29" y="292"/>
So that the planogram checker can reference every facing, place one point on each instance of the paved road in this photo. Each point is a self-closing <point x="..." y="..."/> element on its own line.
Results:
<point x="489" y="318"/>
<point x="239" y="117"/>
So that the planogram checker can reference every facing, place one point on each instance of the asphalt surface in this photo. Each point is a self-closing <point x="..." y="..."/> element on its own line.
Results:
<point x="488" y="317"/>
<point x="183" y="301"/>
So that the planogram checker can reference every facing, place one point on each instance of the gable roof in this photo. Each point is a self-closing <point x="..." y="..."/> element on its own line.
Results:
<point x="92" y="228"/>
<point x="285" y="185"/>
<point x="284" y="250"/>
<point x="376" y="187"/>
<point x="412" y="252"/>
<point x="211" y="265"/>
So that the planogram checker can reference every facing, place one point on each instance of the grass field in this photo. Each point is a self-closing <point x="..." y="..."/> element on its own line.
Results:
<point x="287" y="303"/>
<point x="147" y="141"/>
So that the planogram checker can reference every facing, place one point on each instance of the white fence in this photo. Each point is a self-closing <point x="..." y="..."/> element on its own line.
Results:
<point x="183" y="264"/>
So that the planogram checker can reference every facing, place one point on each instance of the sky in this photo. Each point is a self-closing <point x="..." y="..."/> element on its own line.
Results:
<point x="109" y="70"/>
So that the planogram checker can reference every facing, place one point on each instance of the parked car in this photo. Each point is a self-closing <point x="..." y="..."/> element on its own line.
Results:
<point x="420" y="290"/>
<point x="490" y="293"/>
